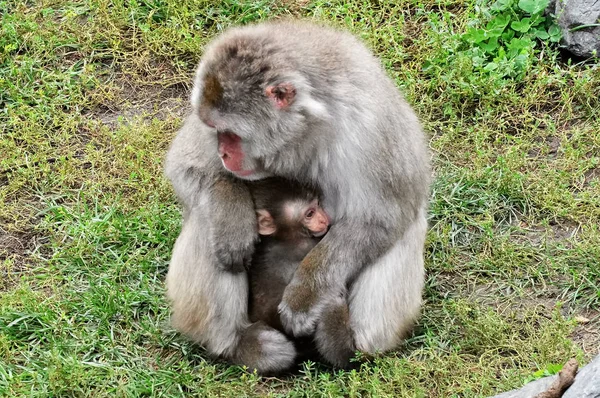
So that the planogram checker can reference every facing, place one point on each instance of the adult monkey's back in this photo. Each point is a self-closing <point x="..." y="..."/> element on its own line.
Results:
<point x="312" y="104"/>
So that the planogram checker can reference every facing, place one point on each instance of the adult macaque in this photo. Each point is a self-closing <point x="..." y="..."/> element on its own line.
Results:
<point x="309" y="104"/>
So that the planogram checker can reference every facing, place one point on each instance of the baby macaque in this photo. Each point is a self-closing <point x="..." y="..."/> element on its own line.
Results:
<point x="290" y="223"/>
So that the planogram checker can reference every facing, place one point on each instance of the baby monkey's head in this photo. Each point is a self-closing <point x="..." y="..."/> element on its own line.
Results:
<point x="287" y="211"/>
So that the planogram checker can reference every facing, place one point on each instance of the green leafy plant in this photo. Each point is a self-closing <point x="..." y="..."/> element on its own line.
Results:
<point x="549" y="370"/>
<point x="504" y="40"/>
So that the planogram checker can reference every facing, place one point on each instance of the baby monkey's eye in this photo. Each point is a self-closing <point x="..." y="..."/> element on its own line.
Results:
<point x="309" y="213"/>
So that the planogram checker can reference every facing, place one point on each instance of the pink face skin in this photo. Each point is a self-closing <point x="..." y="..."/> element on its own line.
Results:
<point x="232" y="154"/>
<point x="316" y="220"/>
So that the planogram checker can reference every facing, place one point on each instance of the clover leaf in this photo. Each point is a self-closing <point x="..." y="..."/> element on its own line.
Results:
<point x="555" y="33"/>
<point x="533" y="6"/>
<point x="541" y="34"/>
<point x="521" y="26"/>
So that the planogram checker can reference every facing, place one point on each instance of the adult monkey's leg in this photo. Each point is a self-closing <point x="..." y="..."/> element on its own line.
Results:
<point x="385" y="299"/>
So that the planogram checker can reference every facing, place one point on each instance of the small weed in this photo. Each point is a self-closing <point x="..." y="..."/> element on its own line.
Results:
<point x="549" y="370"/>
<point x="503" y="41"/>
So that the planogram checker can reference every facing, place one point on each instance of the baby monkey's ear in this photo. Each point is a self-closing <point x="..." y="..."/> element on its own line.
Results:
<point x="266" y="224"/>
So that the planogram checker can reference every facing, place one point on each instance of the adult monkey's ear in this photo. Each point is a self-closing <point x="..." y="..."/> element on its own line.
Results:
<point x="282" y="94"/>
<point x="266" y="224"/>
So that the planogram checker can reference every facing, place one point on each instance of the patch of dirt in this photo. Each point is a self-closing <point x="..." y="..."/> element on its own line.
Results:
<point x="587" y="332"/>
<point x="151" y="101"/>
<point x="11" y="244"/>
<point x="507" y="300"/>
<point x="155" y="90"/>
<point x="412" y="30"/>
<point x="544" y="303"/>
<point x="591" y="175"/>
<point x="556" y="232"/>
<point x="16" y="247"/>
<point x="549" y="147"/>
<point x="564" y="230"/>
<point x="553" y="145"/>
<point x="295" y="6"/>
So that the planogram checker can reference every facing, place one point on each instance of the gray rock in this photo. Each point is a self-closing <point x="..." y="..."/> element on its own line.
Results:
<point x="586" y="385"/>
<point x="573" y="13"/>
<point x="551" y="8"/>
<point x="587" y="381"/>
<point x="530" y="390"/>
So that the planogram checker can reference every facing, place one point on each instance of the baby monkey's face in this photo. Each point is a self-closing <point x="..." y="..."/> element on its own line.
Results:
<point x="299" y="217"/>
<point x="311" y="216"/>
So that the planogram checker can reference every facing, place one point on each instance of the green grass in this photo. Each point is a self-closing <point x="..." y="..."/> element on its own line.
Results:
<point x="92" y="92"/>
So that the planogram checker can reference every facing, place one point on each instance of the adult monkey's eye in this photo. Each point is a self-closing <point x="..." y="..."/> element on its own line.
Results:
<point x="309" y="213"/>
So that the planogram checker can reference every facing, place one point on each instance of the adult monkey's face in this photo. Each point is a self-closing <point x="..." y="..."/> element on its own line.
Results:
<point x="258" y="106"/>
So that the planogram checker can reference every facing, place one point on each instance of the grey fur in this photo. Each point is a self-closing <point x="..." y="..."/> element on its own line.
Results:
<point x="347" y="131"/>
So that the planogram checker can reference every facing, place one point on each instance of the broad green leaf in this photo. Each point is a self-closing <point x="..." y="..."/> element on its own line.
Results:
<point x="491" y="45"/>
<point x="509" y="34"/>
<point x="551" y="369"/>
<point x="533" y="6"/>
<point x="554" y="368"/>
<point x="537" y="19"/>
<point x="501" y="53"/>
<point x="541" y="34"/>
<point x="490" y="67"/>
<point x="427" y="65"/>
<point x="517" y="65"/>
<point x="521" y="62"/>
<point x="522" y="26"/>
<point x="496" y="25"/>
<point x="478" y="61"/>
<point x="475" y="35"/>
<point x="519" y="44"/>
<point x="555" y="33"/>
<point x="502" y="5"/>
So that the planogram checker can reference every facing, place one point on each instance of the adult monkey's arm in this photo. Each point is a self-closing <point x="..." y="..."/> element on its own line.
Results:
<point x="201" y="184"/>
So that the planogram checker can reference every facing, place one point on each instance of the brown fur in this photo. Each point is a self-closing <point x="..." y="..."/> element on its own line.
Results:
<point x="264" y="308"/>
<point x="213" y="92"/>
<point x="314" y="259"/>
<point x="334" y="336"/>
<point x="226" y="190"/>
<point x="276" y="258"/>
<point x="278" y="255"/>
<point x="303" y="297"/>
